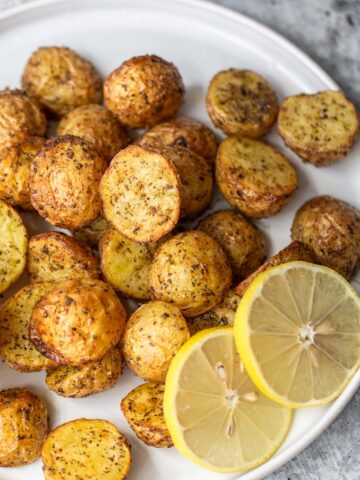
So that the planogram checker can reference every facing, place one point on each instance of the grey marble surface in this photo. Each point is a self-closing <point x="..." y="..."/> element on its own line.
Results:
<point x="329" y="31"/>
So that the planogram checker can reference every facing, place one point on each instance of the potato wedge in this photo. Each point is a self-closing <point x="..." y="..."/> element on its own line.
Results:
<point x="254" y="177"/>
<point x="143" y="409"/>
<point x="141" y="194"/>
<point x="13" y="246"/>
<point x="86" y="449"/>
<point x="321" y="128"/>
<point x="53" y="256"/>
<point x="242" y="103"/>
<point x="93" y="232"/>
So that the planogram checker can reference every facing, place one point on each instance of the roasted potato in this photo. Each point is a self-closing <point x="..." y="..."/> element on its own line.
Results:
<point x="331" y="228"/>
<point x="83" y="380"/>
<point x="143" y="409"/>
<point x="15" y="346"/>
<point x="153" y="336"/>
<point x="97" y="126"/>
<point x="20" y="117"/>
<point x="321" y="128"/>
<point x="53" y="256"/>
<point x="24" y="426"/>
<point x="295" y="251"/>
<point x="185" y="132"/>
<point x="15" y="161"/>
<point x="125" y="264"/>
<point x="64" y="182"/>
<point x="13" y="246"/>
<point x="241" y="240"/>
<point x="77" y="322"/>
<point x="242" y="103"/>
<point x="93" y="232"/>
<point x="61" y="80"/>
<point x="86" y="449"/>
<point x="222" y="315"/>
<point x="141" y="194"/>
<point x="190" y="271"/>
<point x="254" y="177"/>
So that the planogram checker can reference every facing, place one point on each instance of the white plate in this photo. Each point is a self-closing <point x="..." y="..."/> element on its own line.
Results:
<point x="201" y="39"/>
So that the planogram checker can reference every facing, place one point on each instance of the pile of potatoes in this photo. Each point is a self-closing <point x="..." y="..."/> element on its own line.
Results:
<point x="120" y="198"/>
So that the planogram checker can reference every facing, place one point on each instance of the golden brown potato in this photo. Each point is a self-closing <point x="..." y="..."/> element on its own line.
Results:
<point x="83" y="380"/>
<point x="242" y="103"/>
<point x="241" y="240"/>
<point x="185" y="132"/>
<point x="61" y="80"/>
<point x="53" y="256"/>
<point x="93" y="232"/>
<point x="153" y="336"/>
<point x="86" y="449"/>
<point x="143" y="409"/>
<point x="143" y="91"/>
<point x="15" y="161"/>
<point x="13" y="246"/>
<point x="254" y="177"/>
<point x="77" y="322"/>
<point x="331" y="228"/>
<point x="97" y="126"/>
<point x="24" y="426"/>
<point x="64" y="182"/>
<point x="222" y="315"/>
<point x="20" y="117"/>
<point x="295" y="251"/>
<point x="321" y="128"/>
<point x="15" y="346"/>
<point x="141" y="194"/>
<point x="125" y="264"/>
<point x="190" y="271"/>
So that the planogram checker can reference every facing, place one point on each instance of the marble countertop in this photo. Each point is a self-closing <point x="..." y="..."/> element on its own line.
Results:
<point x="328" y="30"/>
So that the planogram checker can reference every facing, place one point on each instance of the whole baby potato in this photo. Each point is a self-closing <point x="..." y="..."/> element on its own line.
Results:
<point x="153" y="336"/>
<point x="98" y="126"/>
<point x="61" y="80"/>
<point x="143" y="91"/>
<point x="190" y="271"/>
<point x="64" y="182"/>
<point x="77" y="322"/>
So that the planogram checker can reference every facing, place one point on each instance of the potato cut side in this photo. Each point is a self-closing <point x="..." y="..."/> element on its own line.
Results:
<point x="320" y="128"/>
<point x="141" y="194"/>
<point x="86" y="449"/>
<point x="143" y="409"/>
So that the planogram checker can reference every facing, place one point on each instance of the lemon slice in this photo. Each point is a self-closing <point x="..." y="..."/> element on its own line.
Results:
<point x="297" y="330"/>
<point x="215" y="415"/>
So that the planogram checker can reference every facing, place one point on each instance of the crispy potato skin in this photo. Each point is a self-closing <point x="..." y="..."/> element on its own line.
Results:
<point x="254" y="177"/>
<point x="64" y="182"/>
<point x="241" y="240"/>
<point x="321" y="128"/>
<point x="73" y="449"/>
<point x="97" y="126"/>
<point x="15" y="161"/>
<point x="295" y="251"/>
<point x="331" y="228"/>
<point x="24" y="426"/>
<point x="93" y="232"/>
<point x="53" y="256"/>
<point x="81" y="381"/>
<point x="21" y="117"/>
<point x="143" y="91"/>
<point x="15" y="346"/>
<point x="143" y="409"/>
<point x="242" y="103"/>
<point x="153" y="336"/>
<point x="185" y="132"/>
<point x="77" y="322"/>
<point x="61" y="80"/>
<point x="13" y="246"/>
<point x="190" y="271"/>
<point x="141" y="194"/>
